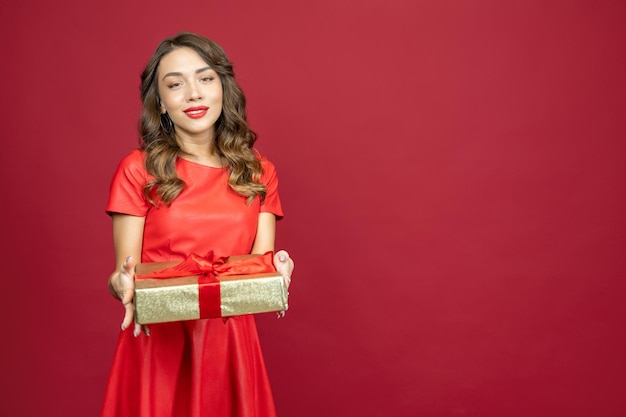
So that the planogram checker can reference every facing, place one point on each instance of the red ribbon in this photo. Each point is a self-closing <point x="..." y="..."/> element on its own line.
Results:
<point x="208" y="267"/>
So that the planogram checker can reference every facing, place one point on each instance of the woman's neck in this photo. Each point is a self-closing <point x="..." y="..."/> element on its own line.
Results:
<point x="201" y="151"/>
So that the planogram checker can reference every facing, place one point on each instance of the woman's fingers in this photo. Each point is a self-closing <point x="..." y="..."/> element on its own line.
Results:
<point x="127" y="295"/>
<point x="124" y="286"/>
<point x="128" y="267"/>
<point x="139" y="329"/>
<point x="282" y="255"/>
<point x="284" y="265"/>
<point x="126" y="283"/>
<point x="129" y="313"/>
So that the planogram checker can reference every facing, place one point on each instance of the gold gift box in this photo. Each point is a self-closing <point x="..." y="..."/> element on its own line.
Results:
<point x="176" y="299"/>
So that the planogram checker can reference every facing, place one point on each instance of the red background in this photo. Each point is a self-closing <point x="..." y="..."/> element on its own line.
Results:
<point x="452" y="172"/>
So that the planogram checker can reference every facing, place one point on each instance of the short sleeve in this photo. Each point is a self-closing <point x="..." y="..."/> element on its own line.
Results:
<point x="270" y="180"/>
<point x="126" y="194"/>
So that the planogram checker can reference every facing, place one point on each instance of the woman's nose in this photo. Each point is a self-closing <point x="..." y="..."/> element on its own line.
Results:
<point x="193" y="92"/>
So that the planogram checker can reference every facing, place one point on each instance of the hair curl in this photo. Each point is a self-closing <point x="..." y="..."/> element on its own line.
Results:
<point x="234" y="140"/>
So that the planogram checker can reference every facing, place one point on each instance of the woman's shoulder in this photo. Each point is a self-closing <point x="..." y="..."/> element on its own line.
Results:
<point x="133" y="164"/>
<point x="269" y="170"/>
<point x="263" y="159"/>
<point x="133" y="160"/>
<point x="136" y="156"/>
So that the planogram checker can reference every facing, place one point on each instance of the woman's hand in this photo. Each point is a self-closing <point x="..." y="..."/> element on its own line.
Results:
<point x="284" y="264"/>
<point x="122" y="286"/>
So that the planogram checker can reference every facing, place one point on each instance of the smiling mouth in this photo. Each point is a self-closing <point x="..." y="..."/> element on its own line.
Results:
<point x="196" y="112"/>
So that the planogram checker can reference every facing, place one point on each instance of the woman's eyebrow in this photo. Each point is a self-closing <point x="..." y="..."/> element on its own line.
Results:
<point x="180" y="74"/>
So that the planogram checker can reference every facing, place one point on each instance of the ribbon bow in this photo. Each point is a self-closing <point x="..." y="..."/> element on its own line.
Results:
<point x="208" y="265"/>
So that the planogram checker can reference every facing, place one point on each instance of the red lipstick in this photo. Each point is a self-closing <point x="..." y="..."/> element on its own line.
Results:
<point x="196" y="112"/>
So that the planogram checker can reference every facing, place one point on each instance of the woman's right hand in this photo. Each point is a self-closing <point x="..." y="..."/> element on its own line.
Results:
<point x="122" y="286"/>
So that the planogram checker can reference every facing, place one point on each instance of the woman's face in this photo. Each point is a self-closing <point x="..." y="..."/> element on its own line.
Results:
<point x="190" y="92"/>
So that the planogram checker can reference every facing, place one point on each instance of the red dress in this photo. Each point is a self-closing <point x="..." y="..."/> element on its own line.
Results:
<point x="199" y="368"/>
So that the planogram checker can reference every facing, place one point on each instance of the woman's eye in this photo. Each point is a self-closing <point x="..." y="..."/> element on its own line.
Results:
<point x="173" y="85"/>
<point x="206" y="79"/>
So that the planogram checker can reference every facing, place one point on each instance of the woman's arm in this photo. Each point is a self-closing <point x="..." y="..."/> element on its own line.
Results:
<point x="264" y="241"/>
<point x="127" y="239"/>
<point x="265" y="234"/>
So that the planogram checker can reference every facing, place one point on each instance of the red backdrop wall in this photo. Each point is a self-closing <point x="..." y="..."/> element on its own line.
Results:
<point x="452" y="172"/>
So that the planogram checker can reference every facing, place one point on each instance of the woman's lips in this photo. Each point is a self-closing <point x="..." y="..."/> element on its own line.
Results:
<point x="196" y="112"/>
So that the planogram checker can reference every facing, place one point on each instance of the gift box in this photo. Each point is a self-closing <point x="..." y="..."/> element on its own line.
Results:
<point x="204" y="287"/>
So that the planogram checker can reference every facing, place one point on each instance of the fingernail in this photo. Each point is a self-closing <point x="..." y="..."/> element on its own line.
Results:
<point x="136" y="332"/>
<point x="123" y="327"/>
<point x="129" y="258"/>
<point x="147" y="332"/>
<point x="283" y="258"/>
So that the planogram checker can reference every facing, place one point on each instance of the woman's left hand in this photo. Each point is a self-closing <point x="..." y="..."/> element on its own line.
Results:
<point x="284" y="264"/>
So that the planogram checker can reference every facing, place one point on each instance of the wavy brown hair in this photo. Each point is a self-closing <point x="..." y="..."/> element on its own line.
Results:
<point x="234" y="140"/>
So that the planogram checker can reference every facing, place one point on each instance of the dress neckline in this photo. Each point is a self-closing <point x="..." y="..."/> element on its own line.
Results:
<point x="201" y="165"/>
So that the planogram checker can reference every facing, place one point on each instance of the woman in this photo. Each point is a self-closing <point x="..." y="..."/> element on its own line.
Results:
<point x="196" y="185"/>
